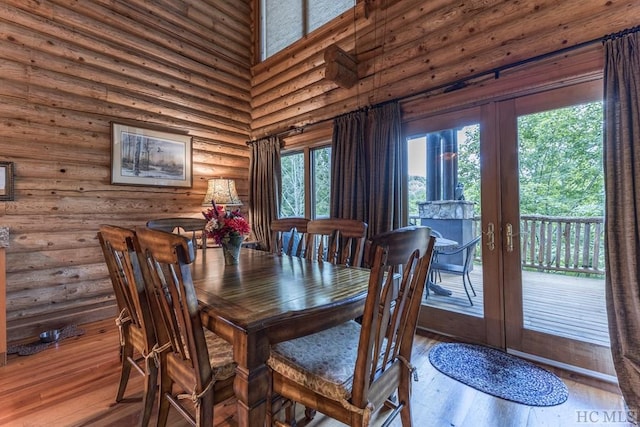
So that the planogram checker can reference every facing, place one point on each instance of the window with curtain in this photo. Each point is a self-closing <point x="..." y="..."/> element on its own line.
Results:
<point x="283" y="22"/>
<point x="306" y="194"/>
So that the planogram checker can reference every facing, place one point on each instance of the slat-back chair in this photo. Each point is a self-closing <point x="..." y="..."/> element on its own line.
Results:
<point x="362" y="365"/>
<point x="192" y="225"/>
<point x="288" y="236"/>
<point x="135" y="319"/>
<point x="336" y="240"/>
<point x="198" y="364"/>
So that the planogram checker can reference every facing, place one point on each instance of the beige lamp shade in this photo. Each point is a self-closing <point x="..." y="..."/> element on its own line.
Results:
<point x="223" y="192"/>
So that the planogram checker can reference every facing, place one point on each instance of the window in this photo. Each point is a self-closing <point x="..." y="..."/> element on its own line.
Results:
<point x="306" y="194"/>
<point x="283" y="22"/>
<point x="321" y="181"/>
<point x="293" y="192"/>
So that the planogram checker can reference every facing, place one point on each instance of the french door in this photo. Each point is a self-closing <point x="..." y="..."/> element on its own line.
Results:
<point x="538" y="275"/>
<point x="454" y="145"/>
<point x="553" y="275"/>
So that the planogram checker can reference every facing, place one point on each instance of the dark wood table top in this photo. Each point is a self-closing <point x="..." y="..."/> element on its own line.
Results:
<point x="266" y="299"/>
<point x="266" y="286"/>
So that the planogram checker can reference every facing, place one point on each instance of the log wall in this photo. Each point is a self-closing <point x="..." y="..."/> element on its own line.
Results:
<point x="416" y="45"/>
<point x="67" y="69"/>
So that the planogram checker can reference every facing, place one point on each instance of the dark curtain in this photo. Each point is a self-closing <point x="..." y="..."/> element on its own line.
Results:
<point x="265" y="183"/>
<point x="366" y="167"/>
<point x="349" y="184"/>
<point x="386" y="158"/>
<point x="622" y="209"/>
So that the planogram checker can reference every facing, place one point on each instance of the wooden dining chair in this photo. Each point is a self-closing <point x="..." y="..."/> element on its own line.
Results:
<point x="135" y="319"/>
<point x="336" y="240"/>
<point x="288" y="236"/>
<point x="178" y="224"/>
<point x="360" y="366"/>
<point x="197" y="365"/>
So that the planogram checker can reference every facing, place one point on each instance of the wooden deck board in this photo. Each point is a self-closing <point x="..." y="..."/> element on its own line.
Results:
<point x="567" y="306"/>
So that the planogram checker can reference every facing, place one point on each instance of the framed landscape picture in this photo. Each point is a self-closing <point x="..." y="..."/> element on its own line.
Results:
<point x="6" y="181"/>
<point x="147" y="156"/>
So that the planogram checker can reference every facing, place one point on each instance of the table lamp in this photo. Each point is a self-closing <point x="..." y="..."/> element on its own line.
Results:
<point x="223" y="192"/>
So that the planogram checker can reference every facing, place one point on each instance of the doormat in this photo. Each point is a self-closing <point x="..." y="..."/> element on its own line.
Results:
<point x="499" y="374"/>
<point x="37" y="347"/>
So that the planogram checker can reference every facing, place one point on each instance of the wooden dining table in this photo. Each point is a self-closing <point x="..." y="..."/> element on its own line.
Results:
<point x="266" y="299"/>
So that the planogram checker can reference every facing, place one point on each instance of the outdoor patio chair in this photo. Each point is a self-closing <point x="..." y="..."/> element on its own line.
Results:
<point x="468" y="249"/>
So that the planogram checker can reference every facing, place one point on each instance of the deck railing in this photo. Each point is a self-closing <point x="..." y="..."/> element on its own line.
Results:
<point x="551" y="243"/>
<point x="562" y="243"/>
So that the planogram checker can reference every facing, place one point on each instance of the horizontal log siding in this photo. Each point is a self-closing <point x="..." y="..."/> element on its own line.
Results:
<point x="415" y="45"/>
<point x="67" y="69"/>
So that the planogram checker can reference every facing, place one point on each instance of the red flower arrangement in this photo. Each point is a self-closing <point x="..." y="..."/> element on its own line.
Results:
<point x="223" y="225"/>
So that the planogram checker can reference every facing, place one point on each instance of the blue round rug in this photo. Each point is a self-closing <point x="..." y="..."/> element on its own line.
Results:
<point x="499" y="374"/>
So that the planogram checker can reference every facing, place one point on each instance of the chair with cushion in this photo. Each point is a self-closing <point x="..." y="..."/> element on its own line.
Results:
<point x="288" y="236"/>
<point x="197" y="366"/>
<point x="336" y="240"/>
<point x="360" y="366"/>
<point x="193" y="225"/>
<point x="135" y="319"/>
<point x="468" y="249"/>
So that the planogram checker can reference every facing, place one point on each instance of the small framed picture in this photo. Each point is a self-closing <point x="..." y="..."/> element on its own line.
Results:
<point x="152" y="157"/>
<point x="6" y="181"/>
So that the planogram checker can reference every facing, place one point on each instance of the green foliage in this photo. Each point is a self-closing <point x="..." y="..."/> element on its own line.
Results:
<point x="560" y="163"/>
<point x="560" y="154"/>
<point x="417" y="190"/>
<point x="292" y="203"/>
<point x="293" y="183"/>
<point x="321" y="181"/>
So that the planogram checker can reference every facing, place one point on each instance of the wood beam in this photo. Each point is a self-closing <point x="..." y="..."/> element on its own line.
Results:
<point x="341" y="67"/>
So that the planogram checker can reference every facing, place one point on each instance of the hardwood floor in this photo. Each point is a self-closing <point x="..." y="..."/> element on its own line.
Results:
<point x="74" y="383"/>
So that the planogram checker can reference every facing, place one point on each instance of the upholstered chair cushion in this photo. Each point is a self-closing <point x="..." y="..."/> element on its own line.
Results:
<point x="220" y="356"/>
<point x="323" y="362"/>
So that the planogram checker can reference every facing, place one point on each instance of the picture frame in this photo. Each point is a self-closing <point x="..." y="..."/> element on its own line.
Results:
<point x="143" y="155"/>
<point x="6" y="181"/>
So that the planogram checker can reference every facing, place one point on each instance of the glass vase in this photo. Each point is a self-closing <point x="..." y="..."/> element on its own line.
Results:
<point x="231" y="249"/>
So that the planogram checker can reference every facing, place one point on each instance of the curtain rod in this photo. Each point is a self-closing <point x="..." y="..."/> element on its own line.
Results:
<point x="462" y="83"/>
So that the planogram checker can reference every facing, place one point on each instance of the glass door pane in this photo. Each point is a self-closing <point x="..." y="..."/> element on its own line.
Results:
<point x="444" y="193"/>
<point x="558" y="295"/>
<point x="444" y="186"/>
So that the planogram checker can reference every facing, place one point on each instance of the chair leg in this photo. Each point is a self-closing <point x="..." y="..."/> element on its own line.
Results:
<point x="309" y="414"/>
<point x="469" y="280"/>
<point x="204" y="415"/>
<point x="466" y="290"/>
<point x="150" y="384"/>
<point x="163" y="405"/>
<point x="404" y="398"/>
<point x="126" y="353"/>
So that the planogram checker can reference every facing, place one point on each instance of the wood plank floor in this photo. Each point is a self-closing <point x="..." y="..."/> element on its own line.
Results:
<point x="567" y="306"/>
<point x="74" y="382"/>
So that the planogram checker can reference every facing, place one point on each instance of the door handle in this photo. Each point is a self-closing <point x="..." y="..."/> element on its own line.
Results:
<point x="509" y="236"/>
<point x="491" y="236"/>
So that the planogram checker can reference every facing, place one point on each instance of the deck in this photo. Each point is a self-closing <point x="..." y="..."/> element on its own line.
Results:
<point x="557" y="304"/>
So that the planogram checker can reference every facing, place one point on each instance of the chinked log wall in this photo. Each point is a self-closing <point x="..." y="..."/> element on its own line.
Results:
<point x="68" y="68"/>
<point x="415" y="45"/>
